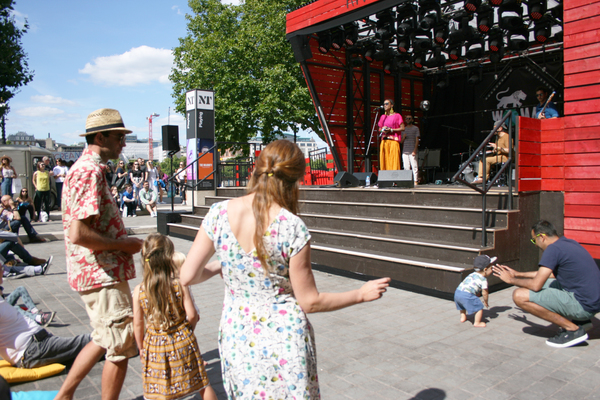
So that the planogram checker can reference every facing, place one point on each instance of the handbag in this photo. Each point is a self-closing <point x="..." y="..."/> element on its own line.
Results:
<point x="17" y="185"/>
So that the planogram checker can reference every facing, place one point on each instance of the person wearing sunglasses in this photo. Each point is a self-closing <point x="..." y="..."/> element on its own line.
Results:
<point x="541" y="93"/>
<point x="25" y="204"/>
<point x="391" y="126"/>
<point x="565" y="290"/>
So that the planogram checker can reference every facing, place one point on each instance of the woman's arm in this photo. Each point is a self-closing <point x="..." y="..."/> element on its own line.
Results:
<point x="139" y="330"/>
<point x="33" y="179"/>
<point x="192" y="269"/>
<point x="308" y="296"/>
<point x="188" y="305"/>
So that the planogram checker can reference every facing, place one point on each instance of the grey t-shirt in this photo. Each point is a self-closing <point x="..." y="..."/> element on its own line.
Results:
<point x="411" y="134"/>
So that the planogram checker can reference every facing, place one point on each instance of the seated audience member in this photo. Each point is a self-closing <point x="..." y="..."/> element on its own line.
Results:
<point x="25" y="344"/>
<point x="148" y="198"/>
<point x="32" y="312"/>
<point x="565" y="290"/>
<point x="25" y="204"/>
<point x="128" y="201"/>
<point x="14" y="270"/>
<point x="7" y="245"/>
<point x="9" y="215"/>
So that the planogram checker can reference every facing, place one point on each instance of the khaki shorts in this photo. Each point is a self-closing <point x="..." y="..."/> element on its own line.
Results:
<point x="111" y="316"/>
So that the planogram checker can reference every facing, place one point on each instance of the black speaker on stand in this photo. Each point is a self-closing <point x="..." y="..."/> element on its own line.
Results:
<point x="170" y="143"/>
<point x="345" y="180"/>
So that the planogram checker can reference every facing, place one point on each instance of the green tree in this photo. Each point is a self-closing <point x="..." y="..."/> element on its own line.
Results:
<point x="14" y="70"/>
<point x="165" y="164"/>
<point x="241" y="53"/>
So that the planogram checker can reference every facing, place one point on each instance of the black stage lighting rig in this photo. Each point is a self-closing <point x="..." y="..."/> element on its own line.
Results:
<point x="472" y="5"/>
<point x="518" y="40"/>
<point x="510" y="16"/>
<point x="440" y="32"/>
<point x="485" y="18"/>
<point x="543" y="29"/>
<point x="324" y="41"/>
<point x="475" y="48"/>
<point x="536" y="9"/>
<point x="430" y="13"/>
<point x="351" y="33"/>
<point x="385" y="25"/>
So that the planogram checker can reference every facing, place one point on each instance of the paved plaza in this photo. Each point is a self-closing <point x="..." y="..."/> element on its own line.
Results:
<point x="404" y="346"/>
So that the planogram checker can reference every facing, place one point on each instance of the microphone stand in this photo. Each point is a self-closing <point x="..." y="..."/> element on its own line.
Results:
<point x="371" y="134"/>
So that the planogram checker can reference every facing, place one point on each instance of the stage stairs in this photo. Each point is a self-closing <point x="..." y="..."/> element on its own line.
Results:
<point x="425" y="238"/>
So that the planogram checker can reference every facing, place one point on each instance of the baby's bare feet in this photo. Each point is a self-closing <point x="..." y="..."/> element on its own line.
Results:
<point x="463" y="318"/>
<point x="479" y="324"/>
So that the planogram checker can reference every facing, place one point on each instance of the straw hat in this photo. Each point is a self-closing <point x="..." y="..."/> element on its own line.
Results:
<point x="103" y="120"/>
<point x="7" y="157"/>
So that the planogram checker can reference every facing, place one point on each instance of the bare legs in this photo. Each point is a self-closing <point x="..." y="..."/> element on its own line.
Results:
<point x="521" y="299"/>
<point x="208" y="393"/>
<point x="477" y="319"/>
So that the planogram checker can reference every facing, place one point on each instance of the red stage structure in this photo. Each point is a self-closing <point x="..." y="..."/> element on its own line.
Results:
<point x="557" y="155"/>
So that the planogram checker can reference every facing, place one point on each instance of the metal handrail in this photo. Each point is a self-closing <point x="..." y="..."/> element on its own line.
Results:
<point x="485" y="186"/>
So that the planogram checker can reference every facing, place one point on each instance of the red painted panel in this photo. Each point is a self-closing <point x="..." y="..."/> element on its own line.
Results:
<point x="577" y="53"/>
<point x="582" y="38"/>
<point x="570" y="4"/>
<point x="552" y="123"/>
<point x="584" y="92"/>
<point x="553" y="148"/>
<point x="582" y="133"/>
<point x="551" y="160"/>
<point x="321" y="10"/>
<point x="582" y="12"/>
<point x="593" y="250"/>
<point x="529" y="135"/>
<point x="528" y="186"/>
<point x="583" y="236"/>
<point x="582" y="211"/>
<point x="583" y="107"/>
<point x="583" y="146"/>
<point x="529" y="160"/>
<point x="553" y="135"/>
<point x="581" y="197"/>
<point x="583" y="224"/>
<point x="584" y="78"/>
<point x="592" y="172"/>
<point x="578" y="159"/>
<point x="588" y="64"/>
<point x="579" y="121"/>
<point x="529" y="123"/>
<point x="582" y="25"/>
<point x="553" y="185"/>
<point x="553" y="173"/>
<point x="530" y="147"/>
<point x="530" y="172"/>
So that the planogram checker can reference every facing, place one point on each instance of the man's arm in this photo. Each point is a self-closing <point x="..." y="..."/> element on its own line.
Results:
<point x="82" y="234"/>
<point x="532" y="280"/>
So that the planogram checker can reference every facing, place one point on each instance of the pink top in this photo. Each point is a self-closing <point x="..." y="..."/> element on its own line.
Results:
<point x="391" y="121"/>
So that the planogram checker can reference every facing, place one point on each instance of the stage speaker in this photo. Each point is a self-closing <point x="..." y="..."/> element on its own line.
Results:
<point x="362" y="178"/>
<point x="396" y="178"/>
<point x="345" y="179"/>
<point x="170" y="137"/>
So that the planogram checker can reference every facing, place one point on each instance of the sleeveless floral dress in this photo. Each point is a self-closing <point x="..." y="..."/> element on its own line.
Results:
<point x="266" y="342"/>
<point x="172" y="366"/>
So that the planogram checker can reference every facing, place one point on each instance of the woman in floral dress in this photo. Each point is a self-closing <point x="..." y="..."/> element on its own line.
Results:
<point x="266" y="342"/>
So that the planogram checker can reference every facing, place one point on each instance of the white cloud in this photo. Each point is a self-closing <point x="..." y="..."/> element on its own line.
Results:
<point x="232" y="2"/>
<point x="140" y="65"/>
<point x="47" y="99"/>
<point x="39" y="112"/>
<point x="176" y="8"/>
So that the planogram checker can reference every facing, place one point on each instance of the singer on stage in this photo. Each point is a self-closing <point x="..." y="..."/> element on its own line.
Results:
<point x="391" y="127"/>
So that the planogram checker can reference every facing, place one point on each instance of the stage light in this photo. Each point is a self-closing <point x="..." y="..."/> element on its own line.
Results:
<point x="385" y="25"/>
<point x="472" y="5"/>
<point x="497" y="56"/>
<point x="369" y="52"/>
<point x="510" y="16"/>
<point x="421" y="42"/>
<point x="324" y="41"/>
<point x="496" y="3"/>
<point x="403" y="43"/>
<point x="475" y="75"/>
<point x="337" y="38"/>
<point x="536" y="9"/>
<point x="543" y="29"/>
<point x="557" y="12"/>
<point x="518" y="40"/>
<point x="407" y="19"/>
<point x="440" y="32"/>
<point x="435" y="58"/>
<point x="388" y="67"/>
<point x="404" y="64"/>
<point x="475" y="48"/>
<point x="430" y="14"/>
<point x="495" y="40"/>
<point x="485" y="18"/>
<point x="419" y="60"/>
<point x="351" y="33"/>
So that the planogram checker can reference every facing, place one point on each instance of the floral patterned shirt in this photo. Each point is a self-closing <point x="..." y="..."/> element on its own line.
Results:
<point x="87" y="194"/>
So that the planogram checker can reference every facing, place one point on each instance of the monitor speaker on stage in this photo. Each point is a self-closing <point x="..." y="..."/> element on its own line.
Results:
<point x="396" y="178"/>
<point x="170" y="137"/>
<point x="345" y="180"/>
<point x="362" y="178"/>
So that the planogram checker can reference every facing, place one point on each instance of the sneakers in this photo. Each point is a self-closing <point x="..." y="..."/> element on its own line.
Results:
<point x="46" y="265"/>
<point x="183" y="203"/>
<point x="586" y="325"/>
<point x="46" y="318"/>
<point x="568" y="338"/>
<point x="16" y="275"/>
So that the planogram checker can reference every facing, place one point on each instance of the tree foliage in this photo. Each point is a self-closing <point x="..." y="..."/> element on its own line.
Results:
<point x="241" y="53"/>
<point x="14" y="70"/>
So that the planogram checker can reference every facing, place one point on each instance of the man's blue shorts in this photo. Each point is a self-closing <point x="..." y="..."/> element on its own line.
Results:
<point x="467" y="301"/>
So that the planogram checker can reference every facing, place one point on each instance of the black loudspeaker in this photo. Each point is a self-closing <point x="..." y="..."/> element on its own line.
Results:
<point x="396" y="178"/>
<point x="170" y="137"/>
<point x="362" y="178"/>
<point x="345" y="179"/>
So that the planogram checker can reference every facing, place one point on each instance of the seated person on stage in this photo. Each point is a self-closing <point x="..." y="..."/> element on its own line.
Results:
<point x="565" y="290"/>
<point x="25" y="344"/>
<point x="148" y="198"/>
<point x="500" y="151"/>
<point x="550" y="112"/>
<point x="10" y="215"/>
<point x="391" y="127"/>
<point x="128" y="201"/>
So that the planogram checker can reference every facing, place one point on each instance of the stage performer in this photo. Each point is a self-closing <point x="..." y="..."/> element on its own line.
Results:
<point x="499" y="153"/>
<point x="550" y="112"/>
<point x="410" y="147"/>
<point x="391" y="127"/>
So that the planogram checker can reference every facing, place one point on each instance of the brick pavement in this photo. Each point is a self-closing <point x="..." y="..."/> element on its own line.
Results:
<point x="404" y="346"/>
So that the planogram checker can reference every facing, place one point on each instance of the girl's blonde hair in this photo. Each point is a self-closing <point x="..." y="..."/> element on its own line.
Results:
<point x="275" y="180"/>
<point x="159" y="274"/>
<point x="178" y="259"/>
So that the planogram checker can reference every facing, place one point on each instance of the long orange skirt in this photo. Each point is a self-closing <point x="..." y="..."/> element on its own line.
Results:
<point x="389" y="155"/>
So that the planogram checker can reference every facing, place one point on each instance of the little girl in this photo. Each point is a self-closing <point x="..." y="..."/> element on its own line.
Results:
<point x="164" y="321"/>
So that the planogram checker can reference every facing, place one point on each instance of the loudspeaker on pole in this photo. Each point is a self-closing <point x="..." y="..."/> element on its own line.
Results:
<point x="170" y="137"/>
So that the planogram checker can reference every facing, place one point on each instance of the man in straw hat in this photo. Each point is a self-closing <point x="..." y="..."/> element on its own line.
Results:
<point x="99" y="256"/>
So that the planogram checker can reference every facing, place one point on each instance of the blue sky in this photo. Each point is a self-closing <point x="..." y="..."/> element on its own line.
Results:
<point x="88" y="55"/>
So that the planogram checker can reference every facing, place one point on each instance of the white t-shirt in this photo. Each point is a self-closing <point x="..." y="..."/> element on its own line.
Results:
<point x="59" y="171"/>
<point x="16" y="332"/>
